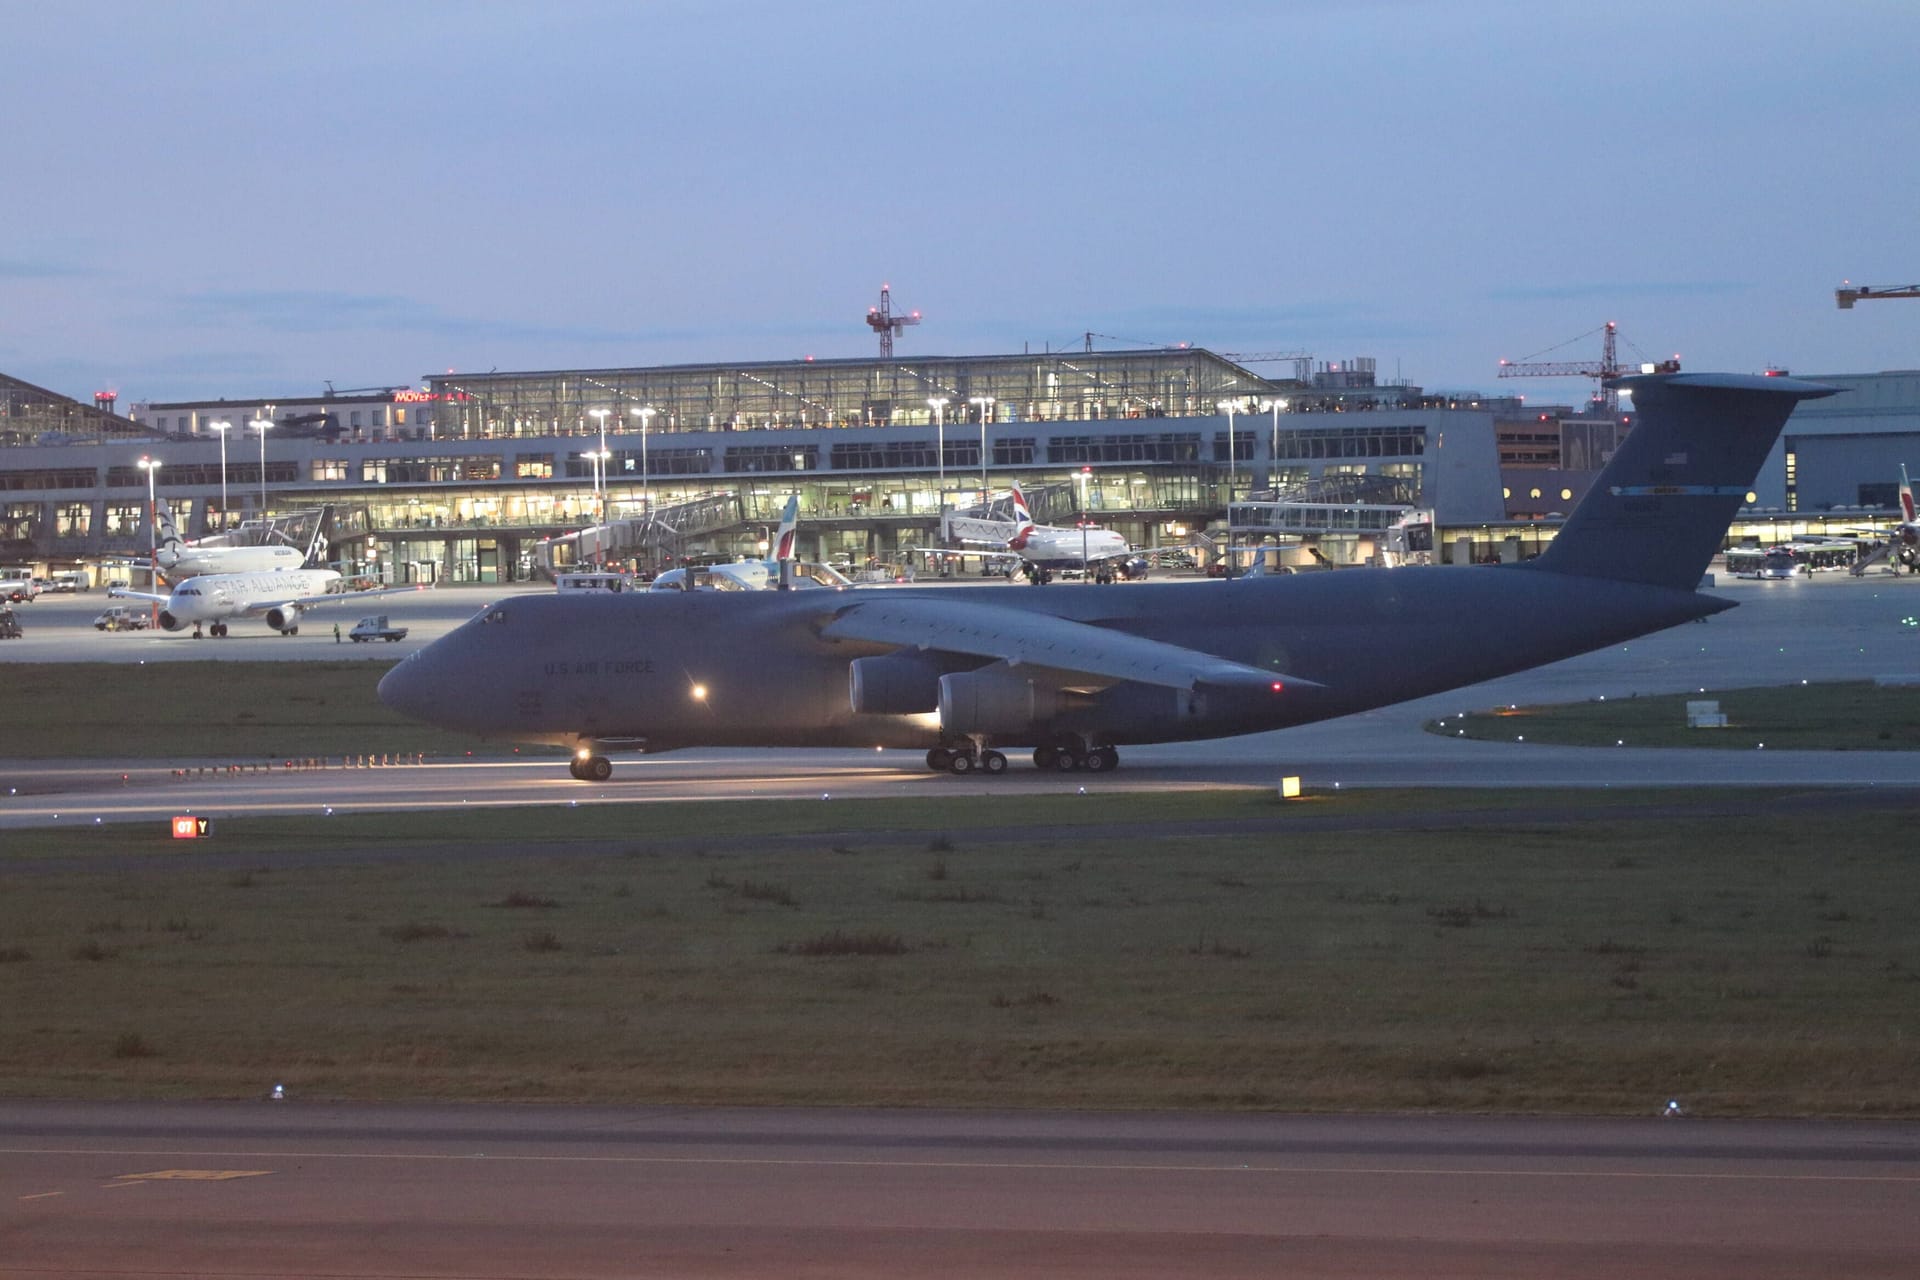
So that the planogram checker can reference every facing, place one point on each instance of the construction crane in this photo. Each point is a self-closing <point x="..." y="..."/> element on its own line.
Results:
<point x="1849" y="293"/>
<point x="883" y="322"/>
<point x="1606" y="369"/>
<point x="1302" y="361"/>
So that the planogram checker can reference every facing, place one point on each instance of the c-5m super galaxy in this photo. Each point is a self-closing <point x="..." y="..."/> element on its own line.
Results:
<point x="1074" y="675"/>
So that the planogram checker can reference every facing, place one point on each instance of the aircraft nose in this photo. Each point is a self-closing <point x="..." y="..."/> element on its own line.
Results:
<point x="408" y="688"/>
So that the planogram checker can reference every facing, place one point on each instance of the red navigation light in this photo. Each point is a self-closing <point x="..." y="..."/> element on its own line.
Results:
<point x="1278" y="686"/>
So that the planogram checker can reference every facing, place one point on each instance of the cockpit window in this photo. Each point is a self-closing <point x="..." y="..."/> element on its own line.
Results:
<point x="495" y="615"/>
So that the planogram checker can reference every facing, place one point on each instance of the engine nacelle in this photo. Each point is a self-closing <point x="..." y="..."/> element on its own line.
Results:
<point x="284" y="618"/>
<point x="170" y="623"/>
<point x="903" y="683"/>
<point x="1001" y="701"/>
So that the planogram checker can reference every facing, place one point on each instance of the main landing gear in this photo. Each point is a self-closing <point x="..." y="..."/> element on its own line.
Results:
<point x="965" y="760"/>
<point x="1073" y="757"/>
<point x="1058" y="757"/>
<point x="590" y="768"/>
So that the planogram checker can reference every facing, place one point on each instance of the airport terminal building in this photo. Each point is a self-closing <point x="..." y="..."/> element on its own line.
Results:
<point x="473" y="477"/>
<point x="469" y="477"/>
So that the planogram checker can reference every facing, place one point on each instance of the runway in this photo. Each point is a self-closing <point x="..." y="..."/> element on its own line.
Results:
<point x="288" y="1189"/>
<point x="1827" y="628"/>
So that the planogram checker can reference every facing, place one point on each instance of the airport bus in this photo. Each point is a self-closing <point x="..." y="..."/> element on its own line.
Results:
<point x="1763" y="562"/>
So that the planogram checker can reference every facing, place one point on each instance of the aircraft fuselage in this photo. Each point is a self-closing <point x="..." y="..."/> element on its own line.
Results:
<point x="673" y="669"/>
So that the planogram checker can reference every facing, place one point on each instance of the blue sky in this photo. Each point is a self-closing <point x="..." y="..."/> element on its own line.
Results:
<point x="208" y="198"/>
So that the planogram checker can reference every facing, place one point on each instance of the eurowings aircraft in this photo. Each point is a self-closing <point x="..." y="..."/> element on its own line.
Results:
<point x="1075" y="675"/>
<point x="180" y="559"/>
<point x="1906" y="534"/>
<point x="1898" y="546"/>
<point x="212" y="599"/>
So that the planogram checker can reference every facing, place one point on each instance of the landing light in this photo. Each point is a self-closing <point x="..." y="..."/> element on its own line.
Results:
<point x="699" y="692"/>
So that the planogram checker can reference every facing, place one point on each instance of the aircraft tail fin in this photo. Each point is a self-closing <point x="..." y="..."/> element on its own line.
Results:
<point x="1906" y="495"/>
<point x="783" y="543"/>
<point x="1659" y="510"/>
<point x="317" y="547"/>
<point x="167" y="540"/>
<point x="1022" y="520"/>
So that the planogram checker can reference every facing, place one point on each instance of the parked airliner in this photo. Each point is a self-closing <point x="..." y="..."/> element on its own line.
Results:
<point x="280" y="597"/>
<point x="180" y="559"/>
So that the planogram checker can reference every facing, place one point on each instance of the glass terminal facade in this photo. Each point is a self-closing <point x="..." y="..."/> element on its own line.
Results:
<point x="493" y="477"/>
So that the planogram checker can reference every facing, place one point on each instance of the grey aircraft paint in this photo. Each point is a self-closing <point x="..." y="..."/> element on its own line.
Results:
<point x="1077" y="672"/>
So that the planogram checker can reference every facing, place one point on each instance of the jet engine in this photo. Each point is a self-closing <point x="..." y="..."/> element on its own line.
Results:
<point x="903" y="683"/>
<point x="170" y="623"/>
<point x="284" y="618"/>
<point x="999" y="700"/>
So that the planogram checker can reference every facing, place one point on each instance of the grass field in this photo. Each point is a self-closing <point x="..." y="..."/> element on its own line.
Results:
<point x="1853" y="716"/>
<point x="235" y="711"/>
<point x="1603" y="960"/>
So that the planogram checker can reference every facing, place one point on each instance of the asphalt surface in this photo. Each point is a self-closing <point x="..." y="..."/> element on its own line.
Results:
<point x="287" y="1189"/>
<point x="1827" y="628"/>
<point x="293" y="1189"/>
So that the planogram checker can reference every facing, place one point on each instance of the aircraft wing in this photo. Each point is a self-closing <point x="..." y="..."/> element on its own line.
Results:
<point x="1019" y="636"/>
<point x="124" y="593"/>
<point x="326" y="597"/>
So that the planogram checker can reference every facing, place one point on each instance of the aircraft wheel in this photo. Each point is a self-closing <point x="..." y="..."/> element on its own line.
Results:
<point x="1104" y="760"/>
<point x="573" y="767"/>
<point x="961" y="764"/>
<point x="1066" y="760"/>
<point x="596" y="769"/>
<point x="993" y="762"/>
<point x="1043" y="757"/>
<point x="939" y="759"/>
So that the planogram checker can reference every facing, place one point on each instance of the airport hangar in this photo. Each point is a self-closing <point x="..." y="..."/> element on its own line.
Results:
<point x="473" y="477"/>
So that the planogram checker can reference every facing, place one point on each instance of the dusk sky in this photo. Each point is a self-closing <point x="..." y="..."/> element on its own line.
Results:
<point x="244" y="199"/>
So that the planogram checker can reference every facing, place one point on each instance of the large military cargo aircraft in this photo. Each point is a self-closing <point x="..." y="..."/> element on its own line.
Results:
<point x="1076" y="674"/>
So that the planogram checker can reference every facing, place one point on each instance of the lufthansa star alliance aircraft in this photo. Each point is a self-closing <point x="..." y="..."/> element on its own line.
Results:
<point x="279" y="596"/>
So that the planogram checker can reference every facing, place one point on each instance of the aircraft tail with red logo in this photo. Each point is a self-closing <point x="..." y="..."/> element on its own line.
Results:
<point x="1022" y="521"/>
<point x="783" y="542"/>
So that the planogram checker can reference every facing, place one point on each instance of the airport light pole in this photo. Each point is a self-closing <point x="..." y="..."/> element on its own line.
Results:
<point x="939" y="406"/>
<point x="986" y="407"/>
<point x="1229" y="406"/>
<point x="262" y="426"/>
<point x="151" y="466"/>
<point x="599" y="485"/>
<point x="601" y="457"/>
<point x="645" y="414"/>
<point x="1086" y="473"/>
<point x="222" y="428"/>
<point x="1279" y="406"/>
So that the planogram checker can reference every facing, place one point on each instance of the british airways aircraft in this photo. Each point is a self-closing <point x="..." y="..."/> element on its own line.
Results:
<point x="1048" y="547"/>
<point x="1075" y="675"/>
<point x="280" y="597"/>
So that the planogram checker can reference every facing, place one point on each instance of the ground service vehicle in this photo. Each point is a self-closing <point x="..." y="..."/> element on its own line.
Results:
<point x="123" y="618"/>
<point x="375" y="628"/>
